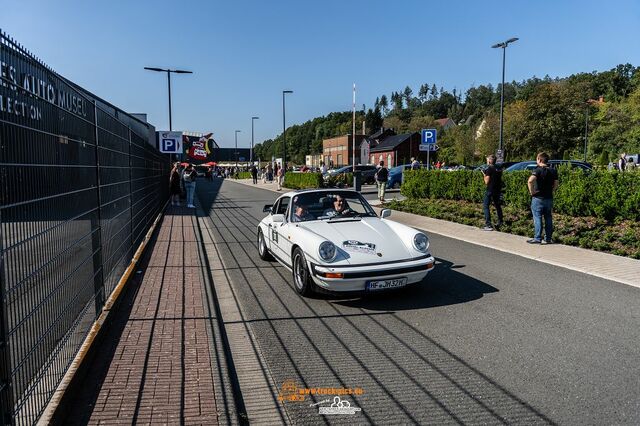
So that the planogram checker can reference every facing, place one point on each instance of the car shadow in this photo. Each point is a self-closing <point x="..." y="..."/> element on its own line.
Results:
<point x="445" y="285"/>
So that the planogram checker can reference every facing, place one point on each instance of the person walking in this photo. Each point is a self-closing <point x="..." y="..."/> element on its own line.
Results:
<point x="254" y="174"/>
<point x="174" y="184"/>
<point x="622" y="162"/>
<point x="280" y="177"/>
<point x="323" y="168"/>
<point x="493" y="183"/>
<point x="414" y="164"/>
<point x="189" y="178"/>
<point x="382" y="175"/>
<point x="542" y="184"/>
<point x="631" y="166"/>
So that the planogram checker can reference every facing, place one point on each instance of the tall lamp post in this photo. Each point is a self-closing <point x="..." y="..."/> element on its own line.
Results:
<point x="503" y="45"/>
<point x="169" y="71"/>
<point x="237" y="131"/>
<point x="284" y="132"/>
<point x="251" y="153"/>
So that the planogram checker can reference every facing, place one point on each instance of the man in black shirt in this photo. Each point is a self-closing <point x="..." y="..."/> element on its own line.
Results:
<point x="542" y="183"/>
<point x="493" y="182"/>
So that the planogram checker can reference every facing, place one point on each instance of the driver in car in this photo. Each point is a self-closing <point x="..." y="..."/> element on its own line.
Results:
<point x="301" y="214"/>
<point x="340" y="208"/>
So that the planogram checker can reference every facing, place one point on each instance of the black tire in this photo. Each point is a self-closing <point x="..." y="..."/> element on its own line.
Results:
<point x="301" y="278"/>
<point x="262" y="247"/>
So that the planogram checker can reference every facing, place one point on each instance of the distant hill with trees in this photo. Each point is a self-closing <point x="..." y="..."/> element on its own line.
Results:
<point x="540" y="114"/>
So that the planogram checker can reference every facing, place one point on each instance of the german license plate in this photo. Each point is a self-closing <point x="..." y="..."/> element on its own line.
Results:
<point x="386" y="284"/>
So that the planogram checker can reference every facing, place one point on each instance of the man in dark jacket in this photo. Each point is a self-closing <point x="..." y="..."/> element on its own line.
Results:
<point x="254" y="174"/>
<point x="493" y="183"/>
<point x="542" y="184"/>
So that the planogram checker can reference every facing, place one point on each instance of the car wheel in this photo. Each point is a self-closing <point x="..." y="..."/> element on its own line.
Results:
<point x="301" y="278"/>
<point x="262" y="247"/>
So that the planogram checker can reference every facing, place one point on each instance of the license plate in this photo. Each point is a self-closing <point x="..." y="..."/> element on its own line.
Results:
<point x="386" y="284"/>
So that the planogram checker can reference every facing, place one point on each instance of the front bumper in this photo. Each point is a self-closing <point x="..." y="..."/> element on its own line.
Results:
<point x="355" y="278"/>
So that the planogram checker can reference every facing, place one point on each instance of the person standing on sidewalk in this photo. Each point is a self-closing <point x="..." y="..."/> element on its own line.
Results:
<point x="622" y="162"/>
<point x="542" y="184"/>
<point x="280" y="177"/>
<point x="174" y="184"/>
<point x="189" y="178"/>
<point x="493" y="183"/>
<point x="254" y="174"/>
<point x="382" y="175"/>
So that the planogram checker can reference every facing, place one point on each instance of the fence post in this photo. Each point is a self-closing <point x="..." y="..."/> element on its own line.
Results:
<point x="6" y="389"/>
<point x="96" y="228"/>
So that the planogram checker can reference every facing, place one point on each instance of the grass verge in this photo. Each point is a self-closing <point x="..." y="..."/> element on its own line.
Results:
<point x="621" y="237"/>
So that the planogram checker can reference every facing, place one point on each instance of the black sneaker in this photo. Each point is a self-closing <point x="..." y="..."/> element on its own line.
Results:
<point x="534" y="241"/>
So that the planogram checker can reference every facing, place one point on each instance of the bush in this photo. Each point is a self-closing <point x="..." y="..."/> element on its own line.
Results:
<point x="603" y="194"/>
<point x="339" y="181"/>
<point x="302" y="180"/>
<point x="244" y="175"/>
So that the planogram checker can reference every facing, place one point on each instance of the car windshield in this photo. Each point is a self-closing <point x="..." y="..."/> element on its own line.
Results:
<point x="329" y="205"/>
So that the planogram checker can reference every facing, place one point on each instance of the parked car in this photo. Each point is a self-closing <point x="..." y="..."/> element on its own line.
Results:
<point x="530" y="165"/>
<point x="368" y="173"/>
<point x="396" y="176"/>
<point x="332" y="239"/>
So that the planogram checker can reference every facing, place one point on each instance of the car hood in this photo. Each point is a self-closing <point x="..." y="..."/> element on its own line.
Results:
<point x="362" y="240"/>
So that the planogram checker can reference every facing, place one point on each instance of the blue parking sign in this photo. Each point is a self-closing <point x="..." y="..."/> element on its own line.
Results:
<point x="429" y="136"/>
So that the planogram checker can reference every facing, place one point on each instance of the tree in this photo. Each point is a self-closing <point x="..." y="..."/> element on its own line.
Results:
<point x="423" y="93"/>
<point x="384" y="103"/>
<point x="407" y="96"/>
<point x="373" y="120"/>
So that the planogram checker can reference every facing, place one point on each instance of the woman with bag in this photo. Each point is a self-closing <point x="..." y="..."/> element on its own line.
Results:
<point x="189" y="178"/>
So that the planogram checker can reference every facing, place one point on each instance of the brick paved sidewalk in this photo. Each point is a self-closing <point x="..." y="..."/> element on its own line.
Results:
<point x="157" y="363"/>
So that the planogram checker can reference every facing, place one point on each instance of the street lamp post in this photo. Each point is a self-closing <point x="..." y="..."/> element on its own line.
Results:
<point x="284" y="132"/>
<point x="237" y="131"/>
<point x="169" y="71"/>
<point x="251" y="154"/>
<point x="503" y="45"/>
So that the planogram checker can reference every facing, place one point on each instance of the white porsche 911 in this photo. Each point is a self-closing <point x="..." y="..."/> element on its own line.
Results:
<point x="333" y="239"/>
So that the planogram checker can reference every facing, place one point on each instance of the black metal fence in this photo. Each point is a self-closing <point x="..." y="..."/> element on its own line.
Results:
<point x="80" y="186"/>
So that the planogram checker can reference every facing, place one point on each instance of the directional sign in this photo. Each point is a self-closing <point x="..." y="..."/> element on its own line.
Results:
<point x="429" y="147"/>
<point x="429" y="136"/>
<point x="170" y="142"/>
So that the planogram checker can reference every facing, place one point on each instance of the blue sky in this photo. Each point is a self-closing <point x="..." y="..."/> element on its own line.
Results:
<point x="244" y="53"/>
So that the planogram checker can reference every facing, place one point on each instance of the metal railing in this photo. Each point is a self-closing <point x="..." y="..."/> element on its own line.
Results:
<point x="80" y="185"/>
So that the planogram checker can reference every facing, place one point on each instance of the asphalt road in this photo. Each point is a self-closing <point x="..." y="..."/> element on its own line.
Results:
<point x="488" y="338"/>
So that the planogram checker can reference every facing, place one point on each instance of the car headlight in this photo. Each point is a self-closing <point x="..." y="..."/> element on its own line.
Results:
<point x="421" y="242"/>
<point x="327" y="251"/>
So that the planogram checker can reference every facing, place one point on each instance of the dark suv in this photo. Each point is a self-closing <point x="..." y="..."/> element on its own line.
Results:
<point x="530" y="165"/>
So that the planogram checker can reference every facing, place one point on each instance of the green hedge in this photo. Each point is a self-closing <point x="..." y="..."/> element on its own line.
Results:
<point x="243" y="175"/>
<point x="339" y="181"/>
<point x="302" y="180"/>
<point x="603" y="194"/>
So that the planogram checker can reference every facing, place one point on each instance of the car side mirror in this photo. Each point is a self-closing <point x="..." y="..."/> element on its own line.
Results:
<point x="385" y="213"/>
<point x="267" y="208"/>
<point x="278" y="218"/>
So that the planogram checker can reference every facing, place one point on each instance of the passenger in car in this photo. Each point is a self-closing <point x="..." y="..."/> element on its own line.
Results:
<point x="302" y="214"/>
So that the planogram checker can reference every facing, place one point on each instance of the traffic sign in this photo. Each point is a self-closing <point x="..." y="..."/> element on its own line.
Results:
<point x="499" y="156"/>
<point x="429" y="136"/>
<point x="170" y="142"/>
<point x="429" y="147"/>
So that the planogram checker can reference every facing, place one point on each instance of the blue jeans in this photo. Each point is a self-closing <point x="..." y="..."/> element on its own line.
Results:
<point x="541" y="207"/>
<point x="488" y="199"/>
<point x="191" y="188"/>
